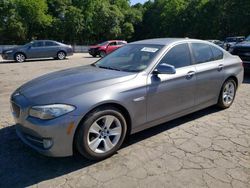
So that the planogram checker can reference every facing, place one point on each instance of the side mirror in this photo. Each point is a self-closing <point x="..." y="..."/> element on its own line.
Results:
<point x="164" y="69"/>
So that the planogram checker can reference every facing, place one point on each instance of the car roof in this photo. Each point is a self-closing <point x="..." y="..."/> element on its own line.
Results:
<point x="235" y="37"/>
<point x="116" y="41"/>
<point x="44" y="41"/>
<point x="166" y="41"/>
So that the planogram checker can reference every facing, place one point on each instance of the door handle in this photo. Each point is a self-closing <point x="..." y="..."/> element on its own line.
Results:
<point x="190" y="74"/>
<point x="220" y="67"/>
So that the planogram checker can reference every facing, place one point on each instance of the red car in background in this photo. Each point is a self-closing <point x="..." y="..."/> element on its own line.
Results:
<point x="106" y="47"/>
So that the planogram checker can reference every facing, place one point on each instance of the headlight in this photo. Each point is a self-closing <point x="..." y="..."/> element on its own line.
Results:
<point x="50" y="111"/>
<point x="8" y="51"/>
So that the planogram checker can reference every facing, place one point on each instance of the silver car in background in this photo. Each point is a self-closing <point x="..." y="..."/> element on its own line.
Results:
<point x="38" y="49"/>
<point x="92" y="108"/>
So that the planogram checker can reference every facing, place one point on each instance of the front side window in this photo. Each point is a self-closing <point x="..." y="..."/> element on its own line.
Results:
<point x="121" y="43"/>
<point x="202" y="53"/>
<point x="112" y="44"/>
<point x="178" y="56"/>
<point x="37" y="44"/>
<point x="130" y="58"/>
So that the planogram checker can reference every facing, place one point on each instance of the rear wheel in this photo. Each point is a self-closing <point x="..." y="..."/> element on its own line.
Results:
<point x="61" y="55"/>
<point x="20" y="57"/>
<point x="227" y="94"/>
<point x="101" y="134"/>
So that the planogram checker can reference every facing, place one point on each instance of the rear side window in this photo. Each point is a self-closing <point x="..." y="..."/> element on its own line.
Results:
<point x="50" y="43"/>
<point x="218" y="54"/>
<point x="178" y="56"/>
<point x="202" y="53"/>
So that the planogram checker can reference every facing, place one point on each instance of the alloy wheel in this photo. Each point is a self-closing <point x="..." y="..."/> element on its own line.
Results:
<point x="61" y="55"/>
<point x="228" y="93"/>
<point x="104" y="134"/>
<point x="20" y="58"/>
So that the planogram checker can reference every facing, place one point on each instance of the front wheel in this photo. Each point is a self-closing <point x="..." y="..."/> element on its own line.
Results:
<point x="102" y="54"/>
<point x="20" y="57"/>
<point x="101" y="134"/>
<point x="227" y="94"/>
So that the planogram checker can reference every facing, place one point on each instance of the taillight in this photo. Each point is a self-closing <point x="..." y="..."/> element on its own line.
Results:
<point x="242" y="63"/>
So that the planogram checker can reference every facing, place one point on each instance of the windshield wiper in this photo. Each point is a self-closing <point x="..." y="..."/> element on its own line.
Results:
<point x="110" y="68"/>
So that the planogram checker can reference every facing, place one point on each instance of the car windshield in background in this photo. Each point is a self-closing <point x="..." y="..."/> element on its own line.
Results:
<point x="248" y="38"/>
<point x="28" y="44"/>
<point x="130" y="58"/>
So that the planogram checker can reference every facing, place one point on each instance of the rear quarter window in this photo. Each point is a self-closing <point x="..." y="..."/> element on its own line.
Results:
<point x="217" y="53"/>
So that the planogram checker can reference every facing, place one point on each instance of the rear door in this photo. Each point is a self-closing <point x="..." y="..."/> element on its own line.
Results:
<point x="209" y="72"/>
<point x="169" y="94"/>
<point x="51" y="49"/>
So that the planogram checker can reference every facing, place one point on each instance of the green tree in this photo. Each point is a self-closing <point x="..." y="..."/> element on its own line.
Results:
<point x="34" y="16"/>
<point x="73" y="23"/>
<point x="12" y="31"/>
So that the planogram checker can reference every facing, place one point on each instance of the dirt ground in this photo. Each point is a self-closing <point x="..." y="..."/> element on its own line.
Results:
<point x="209" y="148"/>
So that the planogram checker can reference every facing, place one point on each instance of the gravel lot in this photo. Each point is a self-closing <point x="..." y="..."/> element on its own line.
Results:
<point x="209" y="148"/>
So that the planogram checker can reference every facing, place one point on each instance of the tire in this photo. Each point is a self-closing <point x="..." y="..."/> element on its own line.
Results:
<point x="227" y="94"/>
<point x="19" y="57"/>
<point x="94" y="55"/>
<point x="102" y="54"/>
<point x="61" y="55"/>
<point x="96" y="142"/>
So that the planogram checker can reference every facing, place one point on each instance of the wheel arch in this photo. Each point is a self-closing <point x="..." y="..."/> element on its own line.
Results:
<point x="234" y="78"/>
<point x="62" y="50"/>
<point x="120" y="107"/>
<point x="20" y="52"/>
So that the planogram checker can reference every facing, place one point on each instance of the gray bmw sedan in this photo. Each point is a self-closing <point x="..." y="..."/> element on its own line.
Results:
<point x="38" y="49"/>
<point x="143" y="84"/>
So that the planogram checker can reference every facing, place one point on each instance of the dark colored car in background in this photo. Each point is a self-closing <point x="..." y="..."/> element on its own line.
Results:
<point x="231" y="41"/>
<point x="38" y="49"/>
<point x="106" y="47"/>
<point x="217" y="42"/>
<point x="243" y="51"/>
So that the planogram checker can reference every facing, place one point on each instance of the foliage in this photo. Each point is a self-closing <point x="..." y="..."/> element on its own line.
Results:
<point x="91" y="21"/>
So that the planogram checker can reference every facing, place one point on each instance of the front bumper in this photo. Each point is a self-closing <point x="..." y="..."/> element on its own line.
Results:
<point x="93" y="51"/>
<point x="8" y="56"/>
<point x="48" y="137"/>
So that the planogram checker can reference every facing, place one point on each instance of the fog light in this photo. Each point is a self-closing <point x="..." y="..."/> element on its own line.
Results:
<point x="47" y="143"/>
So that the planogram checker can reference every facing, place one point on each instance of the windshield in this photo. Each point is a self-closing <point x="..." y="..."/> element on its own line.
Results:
<point x="28" y="44"/>
<point x="130" y="58"/>
<point x="103" y="43"/>
<point x="235" y="39"/>
<point x="248" y="38"/>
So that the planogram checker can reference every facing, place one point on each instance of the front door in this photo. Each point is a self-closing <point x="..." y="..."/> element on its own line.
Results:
<point x="36" y="50"/>
<point x="111" y="47"/>
<point x="169" y="94"/>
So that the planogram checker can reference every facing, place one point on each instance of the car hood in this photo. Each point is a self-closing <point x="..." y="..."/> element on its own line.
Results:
<point x="13" y="48"/>
<point x="71" y="82"/>
<point x="243" y="44"/>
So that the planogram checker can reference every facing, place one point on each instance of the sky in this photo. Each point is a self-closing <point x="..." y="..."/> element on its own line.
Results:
<point x="137" y="1"/>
